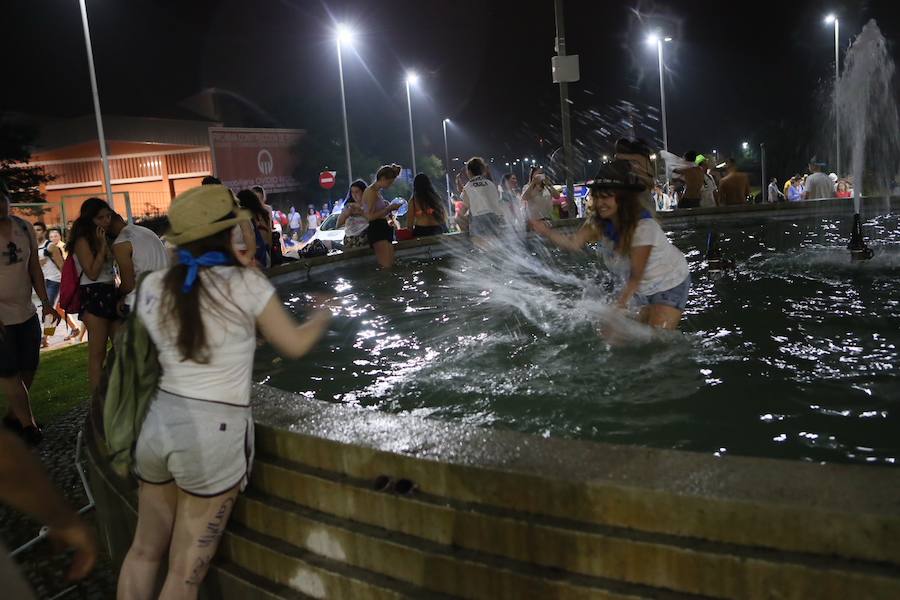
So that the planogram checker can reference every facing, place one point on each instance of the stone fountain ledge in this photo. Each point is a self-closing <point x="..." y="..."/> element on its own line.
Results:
<point x="840" y="510"/>
<point x="681" y="219"/>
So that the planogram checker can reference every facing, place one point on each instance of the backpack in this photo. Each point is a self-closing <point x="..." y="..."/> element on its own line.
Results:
<point x="132" y="375"/>
<point x="70" y="287"/>
<point x="313" y="249"/>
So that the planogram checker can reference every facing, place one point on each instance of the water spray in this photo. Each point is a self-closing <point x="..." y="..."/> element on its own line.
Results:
<point x="857" y="246"/>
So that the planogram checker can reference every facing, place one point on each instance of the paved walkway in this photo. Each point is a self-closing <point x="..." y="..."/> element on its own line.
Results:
<point x="42" y="568"/>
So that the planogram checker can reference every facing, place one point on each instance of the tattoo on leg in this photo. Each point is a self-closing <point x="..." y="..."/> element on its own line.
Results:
<point x="199" y="570"/>
<point x="215" y="527"/>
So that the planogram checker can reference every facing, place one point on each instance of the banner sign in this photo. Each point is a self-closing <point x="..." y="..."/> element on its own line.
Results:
<point x="243" y="158"/>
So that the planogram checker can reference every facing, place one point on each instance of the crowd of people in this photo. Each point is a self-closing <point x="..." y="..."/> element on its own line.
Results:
<point x="203" y="297"/>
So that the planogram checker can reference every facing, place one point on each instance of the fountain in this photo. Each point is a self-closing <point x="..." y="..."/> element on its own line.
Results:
<point x="867" y="116"/>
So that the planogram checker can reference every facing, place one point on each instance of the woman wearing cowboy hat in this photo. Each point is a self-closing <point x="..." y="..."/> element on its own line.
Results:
<point x="633" y="246"/>
<point x="194" y="451"/>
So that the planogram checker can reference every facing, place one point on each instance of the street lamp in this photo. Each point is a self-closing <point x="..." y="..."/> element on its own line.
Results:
<point x="446" y="157"/>
<point x="605" y="158"/>
<point x="411" y="79"/>
<point x="344" y="35"/>
<point x="837" y="73"/>
<point x="656" y="39"/>
<point x="744" y="145"/>
<point x="104" y="158"/>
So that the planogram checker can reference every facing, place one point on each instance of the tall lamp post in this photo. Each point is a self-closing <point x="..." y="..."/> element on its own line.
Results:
<point x="344" y="36"/>
<point x="655" y="38"/>
<point x="446" y="157"/>
<point x="104" y="157"/>
<point x="411" y="79"/>
<point x="837" y="75"/>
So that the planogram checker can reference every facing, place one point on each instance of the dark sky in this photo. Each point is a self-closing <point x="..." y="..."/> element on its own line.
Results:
<point x="735" y="69"/>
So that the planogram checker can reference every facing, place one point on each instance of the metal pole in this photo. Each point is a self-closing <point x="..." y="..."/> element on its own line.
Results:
<point x="564" y="108"/>
<point x="662" y="93"/>
<point x="412" y="143"/>
<point x="344" y="110"/>
<point x="765" y="182"/>
<point x="837" y="75"/>
<point x="446" y="160"/>
<point x="104" y="158"/>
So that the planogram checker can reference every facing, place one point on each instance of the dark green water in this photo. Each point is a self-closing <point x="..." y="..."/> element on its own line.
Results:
<point x="792" y="354"/>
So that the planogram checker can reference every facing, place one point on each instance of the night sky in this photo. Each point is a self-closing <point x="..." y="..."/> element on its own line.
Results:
<point x="736" y="70"/>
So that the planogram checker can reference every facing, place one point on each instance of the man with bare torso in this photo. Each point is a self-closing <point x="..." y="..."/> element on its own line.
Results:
<point x="734" y="187"/>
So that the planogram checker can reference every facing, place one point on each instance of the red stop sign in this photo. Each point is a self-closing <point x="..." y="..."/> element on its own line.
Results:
<point x="326" y="179"/>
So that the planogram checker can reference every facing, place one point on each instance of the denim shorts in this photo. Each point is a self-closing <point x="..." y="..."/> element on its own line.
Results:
<point x="675" y="297"/>
<point x="52" y="291"/>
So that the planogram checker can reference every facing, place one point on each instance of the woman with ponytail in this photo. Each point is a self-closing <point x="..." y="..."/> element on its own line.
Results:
<point x="194" y="451"/>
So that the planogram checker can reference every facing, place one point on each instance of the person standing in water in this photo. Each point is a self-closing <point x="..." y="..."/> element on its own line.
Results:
<point x="632" y="245"/>
<point x="538" y="195"/>
<point x="482" y="201"/>
<point x="377" y="209"/>
<point x="427" y="212"/>
<point x="353" y="218"/>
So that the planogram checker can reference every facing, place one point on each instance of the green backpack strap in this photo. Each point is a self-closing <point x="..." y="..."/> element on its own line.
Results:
<point x="132" y="382"/>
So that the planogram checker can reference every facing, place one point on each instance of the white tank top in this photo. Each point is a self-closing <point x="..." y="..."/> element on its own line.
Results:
<point x="51" y="271"/>
<point x="107" y="274"/>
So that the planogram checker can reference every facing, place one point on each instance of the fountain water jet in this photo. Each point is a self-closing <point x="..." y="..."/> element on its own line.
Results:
<point x="867" y="116"/>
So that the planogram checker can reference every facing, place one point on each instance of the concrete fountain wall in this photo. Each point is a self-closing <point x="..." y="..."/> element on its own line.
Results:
<point x="352" y="503"/>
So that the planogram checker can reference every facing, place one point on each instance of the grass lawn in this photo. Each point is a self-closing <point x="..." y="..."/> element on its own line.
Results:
<point x="61" y="383"/>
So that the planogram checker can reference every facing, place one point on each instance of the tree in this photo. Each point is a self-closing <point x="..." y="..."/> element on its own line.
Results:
<point x="24" y="183"/>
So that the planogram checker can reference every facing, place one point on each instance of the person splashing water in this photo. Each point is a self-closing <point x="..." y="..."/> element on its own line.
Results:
<point x="633" y="247"/>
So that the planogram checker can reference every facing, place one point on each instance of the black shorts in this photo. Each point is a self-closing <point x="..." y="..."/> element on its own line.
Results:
<point x="379" y="231"/>
<point x="20" y="347"/>
<point x="426" y="230"/>
<point x="99" y="299"/>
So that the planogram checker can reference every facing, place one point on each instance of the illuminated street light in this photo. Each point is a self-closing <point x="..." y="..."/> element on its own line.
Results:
<point x="344" y="35"/>
<point x="655" y="38"/>
<point x="744" y="145"/>
<point x="101" y="136"/>
<point x="444" y="123"/>
<point x="837" y="73"/>
<point x="411" y="79"/>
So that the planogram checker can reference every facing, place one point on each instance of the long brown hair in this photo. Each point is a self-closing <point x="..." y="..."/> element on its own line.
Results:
<point x="183" y="311"/>
<point x="84" y="227"/>
<point x="628" y="211"/>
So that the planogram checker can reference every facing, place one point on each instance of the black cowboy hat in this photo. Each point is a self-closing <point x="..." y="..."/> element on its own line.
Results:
<point x="616" y="175"/>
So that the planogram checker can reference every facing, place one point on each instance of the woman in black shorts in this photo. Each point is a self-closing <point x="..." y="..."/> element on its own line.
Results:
<point x="94" y="263"/>
<point x="381" y="235"/>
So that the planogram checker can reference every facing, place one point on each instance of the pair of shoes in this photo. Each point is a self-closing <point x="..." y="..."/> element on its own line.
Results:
<point x="403" y="487"/>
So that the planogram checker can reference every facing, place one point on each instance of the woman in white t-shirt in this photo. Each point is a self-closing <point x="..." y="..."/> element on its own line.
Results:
<point x="632" y="245"/>
<point x="538" y="195"/>
<point x="194" y="451"/>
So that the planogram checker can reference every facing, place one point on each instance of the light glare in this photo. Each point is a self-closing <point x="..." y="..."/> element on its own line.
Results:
<point x="830" y="18"/>
<point x="412" y="78"/>
<point x="344" y="34"/>
<point x="653" y="38"/>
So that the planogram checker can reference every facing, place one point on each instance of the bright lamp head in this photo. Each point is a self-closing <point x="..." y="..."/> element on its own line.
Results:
<point x="653" y="39"/>
<point x="830" y="19"/>
<point x="344" y="34"/>
<point x="412" y="78"/>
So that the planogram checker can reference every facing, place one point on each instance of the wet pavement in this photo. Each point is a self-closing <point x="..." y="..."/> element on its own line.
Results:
<point x="43" y="568"/>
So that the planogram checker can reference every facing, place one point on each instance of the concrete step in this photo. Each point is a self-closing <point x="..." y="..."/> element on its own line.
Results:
<point x="757" y="503"/>
<point x="426" y="565"/>
<point x="662" y="562"/>
<point x="309" y="573"/>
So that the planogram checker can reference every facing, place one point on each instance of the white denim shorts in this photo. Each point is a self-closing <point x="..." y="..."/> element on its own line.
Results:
<point x="206" y="448"/>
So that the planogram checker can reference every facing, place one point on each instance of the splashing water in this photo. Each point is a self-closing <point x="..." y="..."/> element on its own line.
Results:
<point x="867" y="112"/>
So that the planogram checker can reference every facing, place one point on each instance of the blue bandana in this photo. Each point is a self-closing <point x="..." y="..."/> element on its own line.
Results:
<point x="210" y="259"/>
<point x="609" y="230"/>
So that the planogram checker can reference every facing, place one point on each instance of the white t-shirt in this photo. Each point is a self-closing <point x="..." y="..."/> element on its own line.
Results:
<point x="819" y="185"/>
<point x="666" y="265"/>
<point x="312" y="221"/>
<point x="148" y="253"/>
<point x="294" y="220"/>
<point x="107" y="271"/>
<point x="239" y="295"/>
<point x="540" y="203"/>
<point x="483" y="197"/>
<point x="49" y="268"/>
